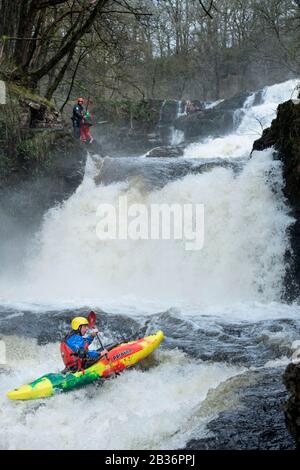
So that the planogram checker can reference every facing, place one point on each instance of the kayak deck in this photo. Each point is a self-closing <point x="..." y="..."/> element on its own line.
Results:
<point x="119" y="358"/>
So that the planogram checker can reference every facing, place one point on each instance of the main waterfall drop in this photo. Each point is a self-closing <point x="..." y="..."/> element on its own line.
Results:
<point x="245" y="241"/>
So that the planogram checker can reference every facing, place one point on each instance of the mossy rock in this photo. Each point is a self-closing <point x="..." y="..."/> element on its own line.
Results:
<point x="22" y="93"/>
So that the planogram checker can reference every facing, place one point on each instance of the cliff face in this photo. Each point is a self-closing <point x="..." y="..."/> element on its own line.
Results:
<point x="41" y="165"/>
<point x="40" y="162"/>
<point x="284" y="135"/>
<point x="291" y="379"/>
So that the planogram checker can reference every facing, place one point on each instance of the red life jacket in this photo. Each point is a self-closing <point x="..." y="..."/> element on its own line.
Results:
<point x="70" y="358"/>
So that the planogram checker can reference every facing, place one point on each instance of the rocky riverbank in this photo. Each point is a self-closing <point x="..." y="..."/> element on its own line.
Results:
<point x="284" y="135"/>
<point x="291" y="380"/>
<point x="252" y="416"/>
<point x="215" y="121"/>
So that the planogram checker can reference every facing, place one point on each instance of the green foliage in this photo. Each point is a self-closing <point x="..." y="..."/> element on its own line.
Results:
<point x="17" y="92"/>
<point x="36" y="148"/>
<point x="26" y="149"/>
<point x="126" y="110"/>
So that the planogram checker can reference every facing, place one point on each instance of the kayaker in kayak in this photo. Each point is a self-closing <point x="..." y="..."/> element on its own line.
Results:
<point x="75" y="347"/>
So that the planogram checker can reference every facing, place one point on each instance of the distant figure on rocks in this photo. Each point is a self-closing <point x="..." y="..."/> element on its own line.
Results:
<point x="85" y="128"/>
<point x="77" y="117"/>
<point x="189" y="107"/>
<point x="192" y="107"/>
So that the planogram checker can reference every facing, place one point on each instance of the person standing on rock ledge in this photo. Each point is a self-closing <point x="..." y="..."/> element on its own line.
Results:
<point x="85" y="128"/>
<point x="191" y="107"/>
<point x="77" y="117"/>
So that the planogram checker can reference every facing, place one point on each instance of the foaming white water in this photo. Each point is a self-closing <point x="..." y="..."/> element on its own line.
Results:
<point x="254" y="119"/>
<point x="231" y="146"/>
<point x="177" y="136"/>
<point x="137" y="410"/>
<point x="213" y="104"/>
<point x="242" y="258"/>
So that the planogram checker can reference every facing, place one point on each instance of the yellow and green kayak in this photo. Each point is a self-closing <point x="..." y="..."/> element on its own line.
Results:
<point x="119" y="358"/>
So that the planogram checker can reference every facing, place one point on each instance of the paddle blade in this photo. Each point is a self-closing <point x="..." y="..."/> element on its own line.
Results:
<point x="91" y="319"/>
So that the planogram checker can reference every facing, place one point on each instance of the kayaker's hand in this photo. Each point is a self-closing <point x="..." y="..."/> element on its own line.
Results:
<point x="94" y="333"/>
<point x="103" y="353"/>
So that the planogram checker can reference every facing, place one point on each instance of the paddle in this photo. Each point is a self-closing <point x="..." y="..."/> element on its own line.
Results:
<point x="92" y="322"/>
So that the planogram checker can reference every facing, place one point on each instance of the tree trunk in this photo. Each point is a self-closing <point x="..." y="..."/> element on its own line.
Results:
<point x="9" y="24"/>
<point x="53" y="86"/>
<point x="36" y="75"/>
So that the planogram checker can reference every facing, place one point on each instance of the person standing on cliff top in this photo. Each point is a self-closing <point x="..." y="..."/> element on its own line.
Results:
<point x="77" y="117"/>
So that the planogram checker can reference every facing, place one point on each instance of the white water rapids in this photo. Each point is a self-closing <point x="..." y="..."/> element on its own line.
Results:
<point x="255" y="118"/>
<point x="236" y="276"/>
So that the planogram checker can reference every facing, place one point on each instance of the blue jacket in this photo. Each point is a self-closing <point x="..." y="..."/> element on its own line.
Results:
<point x="77" y="114"/>
<point x="76" y="342"/>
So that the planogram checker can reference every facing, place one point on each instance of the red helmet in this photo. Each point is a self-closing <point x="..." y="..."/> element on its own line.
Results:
<point x="80" y="100"/>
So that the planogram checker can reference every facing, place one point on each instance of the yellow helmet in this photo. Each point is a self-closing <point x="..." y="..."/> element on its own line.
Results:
<point x="78" y="321"/>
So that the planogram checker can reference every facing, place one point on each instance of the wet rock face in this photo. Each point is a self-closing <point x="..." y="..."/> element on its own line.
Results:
<point x="37" y="184"/>
<point x="291" y="379"/>
<point x="254" y="418"/>
<point x="41" y="164"/>
<point x="34" y="187"/>
<point x="215" y="121"/>
<point x="284" y="135"/>
<point x="168" y="112"/>
<point x="53" y="326"/>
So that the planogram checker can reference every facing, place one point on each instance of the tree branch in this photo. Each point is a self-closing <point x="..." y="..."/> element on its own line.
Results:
<point x="207" y="9"/>
<point x="81" y="57"/>
<point x="48" y="3"/>
<point x="53" y="87"/>
<point x="75" y="37"/>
